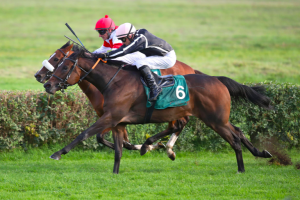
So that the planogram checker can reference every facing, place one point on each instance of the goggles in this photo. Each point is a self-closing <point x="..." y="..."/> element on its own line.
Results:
<point x="123" y="39"/>
<point x="102" y="31"/>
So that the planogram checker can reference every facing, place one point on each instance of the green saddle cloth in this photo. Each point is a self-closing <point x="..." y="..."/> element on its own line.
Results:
<point x="173" y="96"/>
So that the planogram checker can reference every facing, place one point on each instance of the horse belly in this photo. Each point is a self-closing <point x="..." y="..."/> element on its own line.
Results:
<point x="171" y="114"/>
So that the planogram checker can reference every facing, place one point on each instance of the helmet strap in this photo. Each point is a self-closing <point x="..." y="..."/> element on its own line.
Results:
<point x="130" y="39"/>
<point x="109" y="33"/>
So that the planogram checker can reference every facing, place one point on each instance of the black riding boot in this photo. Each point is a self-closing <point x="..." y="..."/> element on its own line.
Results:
<point x="151" y="82"/>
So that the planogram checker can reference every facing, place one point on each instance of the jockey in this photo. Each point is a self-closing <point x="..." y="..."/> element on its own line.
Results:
<point x="107" y="31"/>
<point x="145" y="51"/>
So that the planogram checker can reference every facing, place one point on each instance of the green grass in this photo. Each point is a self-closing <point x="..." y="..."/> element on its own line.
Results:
<point x="88" y="175"/>
<point x="247" y="40"/>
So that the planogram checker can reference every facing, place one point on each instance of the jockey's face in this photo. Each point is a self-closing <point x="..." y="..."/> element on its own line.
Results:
<point x="104" y="36"/>
<point x="127" y="41"/>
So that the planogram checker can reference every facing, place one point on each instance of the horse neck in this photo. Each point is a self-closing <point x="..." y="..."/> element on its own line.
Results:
<point x="100" y="75"/>
<point x="84" y="86"/>
<point x="93" y="94"/>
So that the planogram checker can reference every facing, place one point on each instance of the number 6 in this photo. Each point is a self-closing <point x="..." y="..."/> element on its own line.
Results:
<point x="180" y="92"/>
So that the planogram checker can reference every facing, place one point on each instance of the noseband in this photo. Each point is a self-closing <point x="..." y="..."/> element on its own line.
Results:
<point x="64" y="82"/>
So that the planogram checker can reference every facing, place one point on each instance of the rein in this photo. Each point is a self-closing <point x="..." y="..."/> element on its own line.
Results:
<point x="64" y="82"/>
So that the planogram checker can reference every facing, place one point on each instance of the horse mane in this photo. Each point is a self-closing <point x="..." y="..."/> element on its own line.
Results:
<point x="79" y="52"/>
<point x="65" y="45"/>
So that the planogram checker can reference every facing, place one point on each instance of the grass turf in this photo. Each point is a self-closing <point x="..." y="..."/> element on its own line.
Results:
<point x="88" y="175"/>
<point x="247" y="40"/>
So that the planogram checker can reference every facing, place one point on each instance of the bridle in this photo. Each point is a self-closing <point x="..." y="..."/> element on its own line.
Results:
<point x="49" y="73"/>
<point x="64" y="82"/>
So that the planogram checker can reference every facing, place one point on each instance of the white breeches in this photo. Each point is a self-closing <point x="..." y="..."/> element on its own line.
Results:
<point x="154" y="62"/>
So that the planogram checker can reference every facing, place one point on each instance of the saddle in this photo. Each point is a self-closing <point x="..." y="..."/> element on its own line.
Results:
<point x="162" y="81"/>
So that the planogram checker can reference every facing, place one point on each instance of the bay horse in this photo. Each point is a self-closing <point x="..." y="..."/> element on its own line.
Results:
<point x="97" y="100"/>
<point x="125" y="100"/>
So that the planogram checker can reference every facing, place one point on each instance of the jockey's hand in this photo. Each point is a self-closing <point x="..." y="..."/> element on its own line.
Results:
<point x="99" y="55"/>
<point x="88" y="54"/>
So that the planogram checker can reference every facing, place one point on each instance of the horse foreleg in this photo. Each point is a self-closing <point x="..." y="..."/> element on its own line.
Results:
<point x="99" y="126"/>
<point x="101" y="140"/>
<point x="118" y="135"/>
<point x="180" y="124"/>
<point x="126" y="143"/>
<point x="170" y="144"/>
<point x="174" y="126"/>
<point x="158" y="145"/>
<point x="146" y="146"/>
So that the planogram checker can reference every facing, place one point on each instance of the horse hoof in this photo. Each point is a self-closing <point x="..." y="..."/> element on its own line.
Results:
<point x="144" y="149"/>
<point x="172" y="156"/>
<point x="161" y="145"/>
<point x="55" y="157"/>
<point x="267" y="154"/>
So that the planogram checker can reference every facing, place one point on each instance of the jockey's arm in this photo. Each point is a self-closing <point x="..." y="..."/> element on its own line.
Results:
<point x="139" y="43"/>
<point x="102" y="49"/>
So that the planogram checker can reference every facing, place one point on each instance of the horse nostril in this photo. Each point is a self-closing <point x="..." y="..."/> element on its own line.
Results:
<point x="37" y="76"/>
<point x="47" y="85"/>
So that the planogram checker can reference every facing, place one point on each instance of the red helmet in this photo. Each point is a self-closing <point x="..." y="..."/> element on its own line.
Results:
<point x="105" y="23"/>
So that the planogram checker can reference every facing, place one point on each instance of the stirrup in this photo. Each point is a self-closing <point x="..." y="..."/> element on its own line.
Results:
<point x="154" y="98"/>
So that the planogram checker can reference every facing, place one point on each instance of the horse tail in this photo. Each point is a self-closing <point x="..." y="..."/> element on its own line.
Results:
<point x="254" y="94"/>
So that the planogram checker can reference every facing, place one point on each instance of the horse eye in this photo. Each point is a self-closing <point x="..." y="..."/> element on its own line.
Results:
<point x="65" y="68"/>
<point x="55" y="59"/>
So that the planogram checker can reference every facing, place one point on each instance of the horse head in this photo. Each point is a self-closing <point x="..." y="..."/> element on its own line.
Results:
<point x="50" y="65"/>
<point x="67" y="73"/>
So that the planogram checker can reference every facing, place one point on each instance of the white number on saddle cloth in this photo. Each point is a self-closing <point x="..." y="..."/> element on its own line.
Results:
<point x="179" y="93"/>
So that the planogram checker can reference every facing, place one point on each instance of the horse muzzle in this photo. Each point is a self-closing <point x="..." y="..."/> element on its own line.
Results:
<point x="51" y="88"/>
<point x="38" y="77"/>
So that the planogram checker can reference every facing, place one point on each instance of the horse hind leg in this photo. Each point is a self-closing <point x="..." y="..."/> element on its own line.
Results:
<point x="235" y="142"/>
<point x="249" y="145"/>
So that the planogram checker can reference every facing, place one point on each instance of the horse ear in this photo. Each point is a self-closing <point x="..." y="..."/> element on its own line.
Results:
<point x="70" y="46"/>
<point x="65" y="45"/>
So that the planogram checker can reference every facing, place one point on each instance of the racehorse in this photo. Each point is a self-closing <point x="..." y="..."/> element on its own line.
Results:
<point x="97" y="100"/>
<point x="125" y="100"/>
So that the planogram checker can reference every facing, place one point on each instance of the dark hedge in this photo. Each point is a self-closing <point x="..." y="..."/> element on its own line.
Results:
<point x="30" y="118"/>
